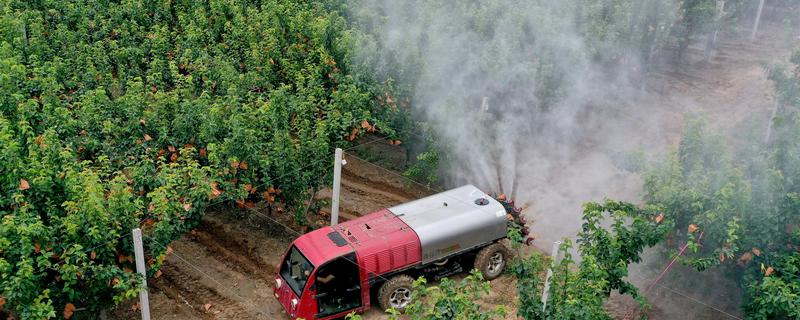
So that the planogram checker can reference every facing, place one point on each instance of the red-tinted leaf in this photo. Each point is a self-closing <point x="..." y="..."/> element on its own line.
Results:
<point x="24" y="185"/>
<point x="68" y="310"/>
<point x="745" y="258"/>
<point x="214" y="191"/>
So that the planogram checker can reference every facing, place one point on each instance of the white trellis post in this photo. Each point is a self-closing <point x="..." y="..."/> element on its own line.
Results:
<point x="138" y="249"/>
<point x="337" y="186"/>
<point x="549" y="275"/>
<point x="758" y="20"/>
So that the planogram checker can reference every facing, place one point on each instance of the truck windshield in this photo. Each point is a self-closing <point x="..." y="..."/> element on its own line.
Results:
<point x="295" y="270"/>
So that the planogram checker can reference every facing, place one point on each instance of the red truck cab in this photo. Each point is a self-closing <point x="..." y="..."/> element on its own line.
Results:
<point x="332" y="271"/>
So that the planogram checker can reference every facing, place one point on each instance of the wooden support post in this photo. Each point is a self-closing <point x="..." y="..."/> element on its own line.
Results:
<point x="138" y="249"/>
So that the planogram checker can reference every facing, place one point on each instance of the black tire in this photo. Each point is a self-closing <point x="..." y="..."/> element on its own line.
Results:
<point x="492" y="260"/>
<point x="396" y="293"/>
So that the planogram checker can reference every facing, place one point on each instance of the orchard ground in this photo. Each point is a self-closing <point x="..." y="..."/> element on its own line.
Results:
<point x="225" y="268"/>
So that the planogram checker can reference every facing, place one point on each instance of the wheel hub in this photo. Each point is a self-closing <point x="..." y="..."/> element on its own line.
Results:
<point x="496" y="263"/>
<point x="400" y="298"/>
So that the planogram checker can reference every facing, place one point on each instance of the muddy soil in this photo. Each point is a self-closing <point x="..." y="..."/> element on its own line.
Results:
<point x="224" y="269"/>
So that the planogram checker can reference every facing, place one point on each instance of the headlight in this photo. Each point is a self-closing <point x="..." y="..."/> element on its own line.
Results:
<point x="278" y="283"/>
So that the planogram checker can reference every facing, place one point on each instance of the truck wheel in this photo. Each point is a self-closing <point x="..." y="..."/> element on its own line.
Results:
<point x="395" y="293"/>
<point x="491" y="260"/>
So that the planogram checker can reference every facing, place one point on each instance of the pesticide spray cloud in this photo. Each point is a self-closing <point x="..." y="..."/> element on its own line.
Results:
<point x="522" y="102"/>
<point x="547" y="100"/>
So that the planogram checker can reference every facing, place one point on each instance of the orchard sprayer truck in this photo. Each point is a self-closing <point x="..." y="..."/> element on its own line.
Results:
<point x="335" y="270"/>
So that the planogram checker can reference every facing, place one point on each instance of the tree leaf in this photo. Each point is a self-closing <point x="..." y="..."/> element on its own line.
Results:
<point x="24" y="185"/>
<point x="68" y="310"/>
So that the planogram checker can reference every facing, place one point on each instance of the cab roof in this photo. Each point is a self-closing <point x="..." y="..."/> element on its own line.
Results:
<point x="367" y="234"/>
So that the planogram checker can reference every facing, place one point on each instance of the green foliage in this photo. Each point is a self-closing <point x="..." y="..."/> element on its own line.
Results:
<point x="117" y="115"/>
<point x="699" y="186"/>
<point x="426" y="167"/>
<point x="451" y="299"/>
<point x="748" y="209"/>
<point x="579" y="291"/>
<point x="696" y="17"/>
<point x="778" y="294"/>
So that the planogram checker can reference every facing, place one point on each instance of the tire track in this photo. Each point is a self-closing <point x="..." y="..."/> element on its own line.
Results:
<point x="230" y="252"/>
<point x="180" y="283"/>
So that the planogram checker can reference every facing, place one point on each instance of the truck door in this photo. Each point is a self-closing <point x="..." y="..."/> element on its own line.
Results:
<point x="338" y="286"/>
